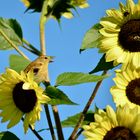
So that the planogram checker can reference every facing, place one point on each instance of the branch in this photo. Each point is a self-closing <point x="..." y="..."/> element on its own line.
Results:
<point x="34" y="131"/>
<point x="56" y="117"/>
<point x="82" y="117"/>
<point x="58" y="123"/>
<point x="49" y="121"/>
<point x="79" y="133"/>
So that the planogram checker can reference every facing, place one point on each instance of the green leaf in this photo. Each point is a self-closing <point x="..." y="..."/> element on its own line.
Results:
<point x="57" y="96"/>
<point x="74" y="78"/>
<point x="73" y="120"/>
<point x="18" y="63"/>
<point x="103" y="65"/>
<point x="12" y="30"/>
<point x="91" y="37"/>
<point x="8" y="136"/>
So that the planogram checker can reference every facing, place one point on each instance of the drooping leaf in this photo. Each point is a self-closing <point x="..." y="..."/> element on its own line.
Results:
<point x="72" y="120"/>
<point x="12" y="30"/>
<point x="57" y="96"/>
<point x="17" y="62"/>
<point x="102" y="65"/>
<point x="8" y="136"/>
<point x="91" y="37"/>
<point x="74" y="78"/>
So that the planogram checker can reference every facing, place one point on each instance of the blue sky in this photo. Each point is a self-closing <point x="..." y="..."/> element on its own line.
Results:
<point x="64" y="44"/>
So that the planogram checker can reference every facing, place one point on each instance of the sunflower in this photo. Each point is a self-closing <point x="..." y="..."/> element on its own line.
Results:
<point x="20" y="97"/>
<point x="120" y="125"/>
<point x="127" y="88"/>
<point x="57" y="8"/>
<point x="120" y="39"/>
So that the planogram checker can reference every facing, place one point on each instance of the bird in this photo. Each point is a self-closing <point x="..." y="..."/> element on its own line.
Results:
<point x="40" y="68"/>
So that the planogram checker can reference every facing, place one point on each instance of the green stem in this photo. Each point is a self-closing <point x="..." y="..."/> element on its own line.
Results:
<point x="32" y="48"/>
<point x="13" y="45"/>
<point x="43" y="20"/>
<point x="82" y="117"/>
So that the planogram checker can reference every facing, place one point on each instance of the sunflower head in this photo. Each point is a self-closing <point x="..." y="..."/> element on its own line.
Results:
<point x="121" y="35"/>
<point x="111" y="125"/>
<point x="20" y="96"/>
<point x="59" y="8"/>
<point x="127" y="88"/>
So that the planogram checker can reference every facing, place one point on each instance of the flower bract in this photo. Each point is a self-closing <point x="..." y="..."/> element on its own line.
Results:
<point x="57" y="8"/>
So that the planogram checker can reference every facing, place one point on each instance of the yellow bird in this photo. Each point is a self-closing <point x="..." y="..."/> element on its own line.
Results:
<point x="40" y="68"/>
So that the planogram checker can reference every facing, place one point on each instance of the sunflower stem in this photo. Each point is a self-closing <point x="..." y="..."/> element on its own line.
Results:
<point x="82" y="117"/>
<point x="79" y="133"/>
<point x="58" y="123"/>
<point x="48" y="115"/>
<point x="49" y="122"/>
<point x="45" y="15"/>
<point x="13" y="45"/>
<point x="56" y="117"/>
<point x="43" y="20"/>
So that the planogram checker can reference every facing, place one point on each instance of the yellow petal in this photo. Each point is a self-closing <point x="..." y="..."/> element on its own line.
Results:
<point x="15" y="119"/>
<point x="113" y="54"/>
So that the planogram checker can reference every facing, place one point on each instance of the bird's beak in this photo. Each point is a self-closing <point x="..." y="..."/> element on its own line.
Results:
<point x="51" y="59"/>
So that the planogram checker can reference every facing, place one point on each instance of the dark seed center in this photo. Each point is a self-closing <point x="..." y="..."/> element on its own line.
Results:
<point x="133" y="91"/>
<point x="129" y="36"/>
<point x="120" y="133"/>
<point x="25" y="100"/>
